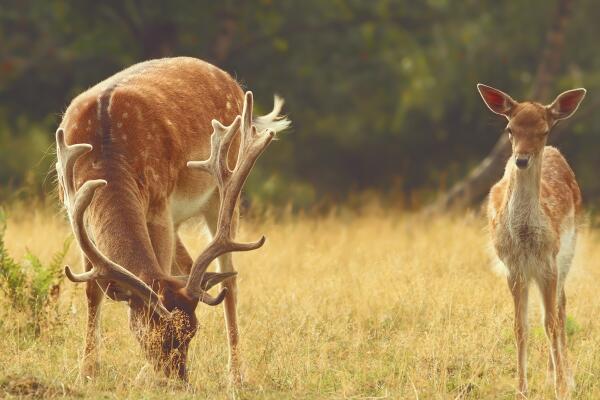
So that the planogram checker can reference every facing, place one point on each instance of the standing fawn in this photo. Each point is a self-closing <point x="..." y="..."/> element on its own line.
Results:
<point x="533" y="215"/>
<point x="126" y="150"/>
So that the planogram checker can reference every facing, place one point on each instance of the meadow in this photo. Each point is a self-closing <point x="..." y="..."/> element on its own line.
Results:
<point x="353" y="304"/>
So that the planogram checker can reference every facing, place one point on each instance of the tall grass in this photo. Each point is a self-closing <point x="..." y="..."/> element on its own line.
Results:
<point x="370" y="304"/>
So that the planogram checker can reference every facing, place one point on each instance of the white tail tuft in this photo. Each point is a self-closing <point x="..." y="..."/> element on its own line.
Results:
<point x="273" y="120"/>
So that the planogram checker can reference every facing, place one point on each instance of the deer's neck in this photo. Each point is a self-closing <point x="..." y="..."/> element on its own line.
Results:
<point x="523" y="199"/>
<point x="117" y="221"/>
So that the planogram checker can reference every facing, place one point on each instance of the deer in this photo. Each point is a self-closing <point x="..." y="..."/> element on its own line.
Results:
<point x="138" y="154"/>
<point x="533" y="215"/>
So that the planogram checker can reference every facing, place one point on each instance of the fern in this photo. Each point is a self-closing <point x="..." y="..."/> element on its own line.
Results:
<point x="11" y="273"/>
<point x="31" y="286"/>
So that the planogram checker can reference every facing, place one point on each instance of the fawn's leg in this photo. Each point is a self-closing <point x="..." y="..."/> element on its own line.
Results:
<point x="549" y="288"/>
<point x="550" y="369"/>
<point x="562" y="323"/>
<point x="94" y="295"/>
<point x="520" y="293"/>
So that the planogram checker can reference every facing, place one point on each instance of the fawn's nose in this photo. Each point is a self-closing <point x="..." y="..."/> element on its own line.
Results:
<point x="522" y="161"/>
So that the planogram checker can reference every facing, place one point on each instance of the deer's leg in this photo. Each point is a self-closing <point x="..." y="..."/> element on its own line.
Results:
<point x="94" y="295"/>
<point x="549" y="288"/>
<point x="519" y="289"/>
<point x="225" y="264"/>
<point x="162" y="236"/>
<point x="550" y="369"/>
<point x="182" y="264"/>
<point x="562" y="323"/>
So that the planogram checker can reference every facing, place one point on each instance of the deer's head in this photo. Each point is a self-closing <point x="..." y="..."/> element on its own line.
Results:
<point x="529" y="123"/>
<point x="165" y="339"/>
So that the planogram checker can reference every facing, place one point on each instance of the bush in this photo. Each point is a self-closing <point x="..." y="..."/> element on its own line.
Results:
<point x="31" y="287"/>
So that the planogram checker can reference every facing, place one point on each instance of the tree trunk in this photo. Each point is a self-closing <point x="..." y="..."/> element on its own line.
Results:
<point x="476" y="185"/>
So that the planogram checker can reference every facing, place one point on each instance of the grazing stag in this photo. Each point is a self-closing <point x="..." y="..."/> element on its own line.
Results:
<point x="533" y="215"/>
<point x="125" y="154"/>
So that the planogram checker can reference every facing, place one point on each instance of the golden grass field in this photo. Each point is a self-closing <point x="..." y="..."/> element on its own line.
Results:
<point x="370" y="304"/>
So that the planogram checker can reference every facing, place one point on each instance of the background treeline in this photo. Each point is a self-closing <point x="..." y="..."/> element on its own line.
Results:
<point x="381" y="93"/>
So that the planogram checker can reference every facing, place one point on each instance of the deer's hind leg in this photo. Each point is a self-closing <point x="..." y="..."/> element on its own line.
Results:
<point x="225" y="264"/>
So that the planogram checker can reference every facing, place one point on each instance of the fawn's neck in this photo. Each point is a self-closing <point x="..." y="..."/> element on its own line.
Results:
<point x="524" y="188"/>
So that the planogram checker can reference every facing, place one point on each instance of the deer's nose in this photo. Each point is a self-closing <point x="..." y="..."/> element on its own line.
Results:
<point x="522" y="161"/>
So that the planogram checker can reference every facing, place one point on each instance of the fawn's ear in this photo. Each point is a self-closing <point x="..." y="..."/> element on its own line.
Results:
<point x="566" y="103"/>
<point x="496" y="100"/>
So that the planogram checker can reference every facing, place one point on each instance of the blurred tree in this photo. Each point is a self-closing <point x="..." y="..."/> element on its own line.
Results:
<point x="381" y="93"/>
<point x="489" y="170"/>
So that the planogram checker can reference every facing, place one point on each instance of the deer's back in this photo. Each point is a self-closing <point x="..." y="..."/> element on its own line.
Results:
<point x="148" y="120"/>
<point x="560" y="194"/>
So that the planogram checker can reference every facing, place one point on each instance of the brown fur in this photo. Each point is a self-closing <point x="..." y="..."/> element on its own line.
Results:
<point x="533" y="212"/>
<point x="559" y="191"/>
<point x="145" y="123"/>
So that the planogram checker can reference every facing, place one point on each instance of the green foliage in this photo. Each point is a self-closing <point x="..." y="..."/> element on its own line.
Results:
<point x="31" y="287"/>
<point x="381" y="93"/>
<point x="25" y="161"/>
<point x="572" y="326"/>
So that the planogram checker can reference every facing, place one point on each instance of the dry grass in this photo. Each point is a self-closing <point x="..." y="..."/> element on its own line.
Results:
<point x="347" y="306"/>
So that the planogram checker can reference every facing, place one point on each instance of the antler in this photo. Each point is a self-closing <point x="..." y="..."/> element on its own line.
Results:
<point x="76" y="202"/>
<point x="229" y="184"/>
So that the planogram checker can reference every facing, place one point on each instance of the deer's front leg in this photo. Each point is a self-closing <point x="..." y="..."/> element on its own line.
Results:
<point x="94" y="295"/>
<point x="162" y="235"/>
<point x="562" y="323"/>
<point x="182" y="262"/>
<point x="520" y="293"/>
<point x="552" y="324"/>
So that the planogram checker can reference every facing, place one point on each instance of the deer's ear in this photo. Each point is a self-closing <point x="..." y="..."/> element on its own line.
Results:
<point x="566" y="103"/>
<point x="496" y="100"/>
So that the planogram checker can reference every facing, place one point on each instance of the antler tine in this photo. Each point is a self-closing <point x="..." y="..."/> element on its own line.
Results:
<point x="77" y="202"/>
<point x="66" y="158"/>
<point x="220" y="140"/>
<point x="247" y="125"/>
<point x="230" y="184"/>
